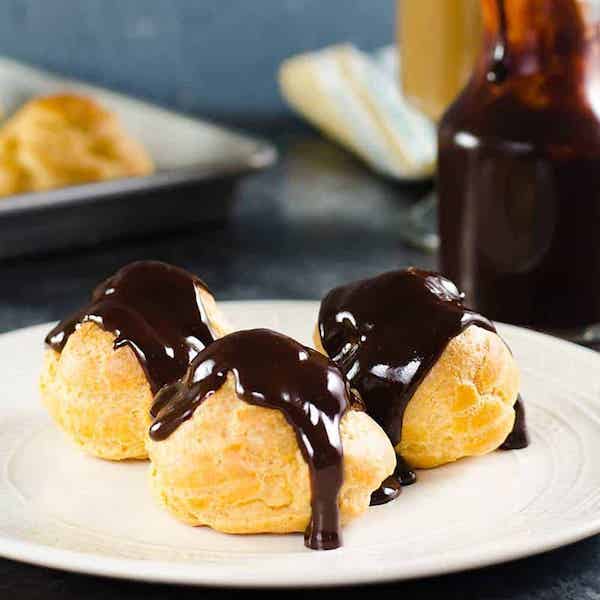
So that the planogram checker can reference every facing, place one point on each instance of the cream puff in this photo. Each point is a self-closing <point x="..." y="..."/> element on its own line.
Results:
<point x="263" y="435"/>
<point x="435" y="375"/>
<point x="66" y="139"/>
<point x="104" y="364"/>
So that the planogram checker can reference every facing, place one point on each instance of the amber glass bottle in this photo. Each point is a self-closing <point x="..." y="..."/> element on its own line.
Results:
<point x="519" y="167"/>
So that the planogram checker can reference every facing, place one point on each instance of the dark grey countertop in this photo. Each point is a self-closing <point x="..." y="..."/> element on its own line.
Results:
<point x="317" y="219"/>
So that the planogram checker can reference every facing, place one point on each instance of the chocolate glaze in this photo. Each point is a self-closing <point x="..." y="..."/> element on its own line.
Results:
<point x="518" y="437"/>
<point x="156" y="310"/>
<point x="274" y="371"/>
<point x="392" y="486"/>
<point x="389" y="490"/>
<point x="499" y="65"/>
<point x="404" y="472"/>
<point x="386" y="333"/>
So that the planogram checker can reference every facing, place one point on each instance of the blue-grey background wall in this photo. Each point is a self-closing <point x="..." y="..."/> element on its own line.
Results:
<point x="216" y="57"/>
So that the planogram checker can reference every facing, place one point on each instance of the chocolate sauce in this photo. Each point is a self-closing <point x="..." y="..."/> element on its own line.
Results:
<point x="403" y="475"/>
<point x="156" y="310"/>
<point x="519" y="175"/>
<point x="274" y="371"/>
<point x="389" y="490"/>
<point x="386" y="333"/>
<point x="499" y="68"/>
<point x="518" y="437"/>
<point x="404" y="472"/>
<point x="391" y="487"/>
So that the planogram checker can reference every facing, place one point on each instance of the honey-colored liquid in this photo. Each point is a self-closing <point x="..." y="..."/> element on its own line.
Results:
<point x="439" y="41"/>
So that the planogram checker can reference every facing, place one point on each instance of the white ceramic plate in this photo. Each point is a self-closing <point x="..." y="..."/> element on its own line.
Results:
<point x="62" y="509"/>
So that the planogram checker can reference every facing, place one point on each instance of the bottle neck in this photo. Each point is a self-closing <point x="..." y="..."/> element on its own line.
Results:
<point x="533" y="38"/>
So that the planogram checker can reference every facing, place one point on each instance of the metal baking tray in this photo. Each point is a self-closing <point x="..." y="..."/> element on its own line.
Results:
<point x="197" y="167"/>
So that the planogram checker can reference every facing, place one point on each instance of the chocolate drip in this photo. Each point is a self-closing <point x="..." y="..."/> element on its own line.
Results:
<point x="387" y="332"/>
<point x="274" y="371"/>
<point x="156" y="310"/>
<point x="390" y="489"/>
<point x="499" y="64"/>
<point x="518" y="438"/>
<point x="404" y="472"/>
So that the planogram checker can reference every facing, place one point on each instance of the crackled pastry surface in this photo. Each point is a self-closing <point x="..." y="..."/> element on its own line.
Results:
<point x="435" y="375"/>
<point x="261" y="436"/>
<point x="98" y="395"/>
<point x="103" y="365"/>
<point x="66" y="139"/>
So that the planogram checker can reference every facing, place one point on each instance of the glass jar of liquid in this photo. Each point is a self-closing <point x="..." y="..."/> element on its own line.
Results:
<point x="519" y="168"/>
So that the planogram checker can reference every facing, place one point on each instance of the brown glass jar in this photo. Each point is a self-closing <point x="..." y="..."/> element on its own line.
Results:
<point x="519" y="167"/>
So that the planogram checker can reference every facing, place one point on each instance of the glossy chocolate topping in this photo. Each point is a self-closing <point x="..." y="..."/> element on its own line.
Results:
<point x="518" y="437"/>
<point x="386" y="333"/>
<point x="156" y="310"/>
<point x="389" y="490"/>
<point x="273" y="371"/>
<point x="391" y="487"/>
<point x="499" y="64"/>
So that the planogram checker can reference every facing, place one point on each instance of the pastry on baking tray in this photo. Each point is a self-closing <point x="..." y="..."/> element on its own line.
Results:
<point x="104" y="364"/>
<point x="435" y="375"/>
<point x="66" y="139"/>
<point x="263" y="435"/>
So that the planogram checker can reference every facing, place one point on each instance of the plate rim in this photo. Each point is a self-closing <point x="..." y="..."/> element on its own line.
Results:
<point x="198" y="574"/>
